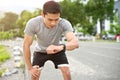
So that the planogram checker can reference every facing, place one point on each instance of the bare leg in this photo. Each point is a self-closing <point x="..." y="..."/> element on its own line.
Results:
<point x="65" y="72"/>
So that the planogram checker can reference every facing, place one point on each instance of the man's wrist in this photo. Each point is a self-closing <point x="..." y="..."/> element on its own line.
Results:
<point x="64" y="46"/>
<point x="29" y="67"/>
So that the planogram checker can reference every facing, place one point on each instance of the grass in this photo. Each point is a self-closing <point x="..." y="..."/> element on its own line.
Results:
<point x="103" y="41"/>
<point x="2" y="71"/>
<point x="4" y="54"/>
<point x="106" y="41"/>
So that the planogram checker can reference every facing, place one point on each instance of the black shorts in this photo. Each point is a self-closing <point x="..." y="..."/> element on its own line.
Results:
<point x="58" y="58"/>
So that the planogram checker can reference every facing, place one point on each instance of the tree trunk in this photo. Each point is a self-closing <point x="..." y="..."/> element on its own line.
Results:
<point x="101" y="28"/>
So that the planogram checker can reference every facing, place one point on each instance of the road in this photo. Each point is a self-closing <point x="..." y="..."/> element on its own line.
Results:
<point x="91" y="61"/>
<point x="96" y="61"/>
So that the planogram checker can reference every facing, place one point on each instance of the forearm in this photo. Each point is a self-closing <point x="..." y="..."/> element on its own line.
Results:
<point x="73" y="44"/>
<point x="27" y="56"/>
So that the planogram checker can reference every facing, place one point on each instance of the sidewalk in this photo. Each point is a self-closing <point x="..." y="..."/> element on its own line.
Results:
<point x="48" y="72"/>
<point x="9" y="65"/>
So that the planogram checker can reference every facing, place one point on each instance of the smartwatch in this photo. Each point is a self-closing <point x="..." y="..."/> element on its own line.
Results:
<point x="64" y="47"/>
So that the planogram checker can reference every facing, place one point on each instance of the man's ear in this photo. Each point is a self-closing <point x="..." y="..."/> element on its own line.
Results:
<point x="42" y="14"/>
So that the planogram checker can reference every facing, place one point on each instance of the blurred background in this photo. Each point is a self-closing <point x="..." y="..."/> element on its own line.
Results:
<point x="93" y="21"/>
<point x="99" y="18"/>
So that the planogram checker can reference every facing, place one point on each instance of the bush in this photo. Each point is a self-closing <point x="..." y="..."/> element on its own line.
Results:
<point x="4" y="55"/>
<point x="2" y="71"/>
<point x="6" y="35"/>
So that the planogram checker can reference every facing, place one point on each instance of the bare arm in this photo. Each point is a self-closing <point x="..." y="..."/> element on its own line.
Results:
<point x="72" y="41"/>
<point x="26" y="49"/>
<point x="34" y="70"/>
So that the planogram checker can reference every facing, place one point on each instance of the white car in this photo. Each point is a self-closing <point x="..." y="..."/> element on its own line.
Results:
<point x="108" y="37"/>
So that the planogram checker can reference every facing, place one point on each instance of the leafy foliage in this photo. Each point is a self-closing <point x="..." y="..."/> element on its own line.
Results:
<point x="75" y="11"/>
<point x="100" y="10"/>
<point x="6" y="35"/>
<point x="76" y="14"/>
<point x="9" y="21"/>
<point x="4" y="55"/>
<point x="24" y="17"/>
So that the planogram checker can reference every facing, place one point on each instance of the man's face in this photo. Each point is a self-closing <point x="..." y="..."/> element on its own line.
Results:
<point x="51" y="20"/>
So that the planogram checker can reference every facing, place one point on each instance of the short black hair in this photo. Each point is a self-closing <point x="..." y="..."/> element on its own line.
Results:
<point x="52" y="7"/>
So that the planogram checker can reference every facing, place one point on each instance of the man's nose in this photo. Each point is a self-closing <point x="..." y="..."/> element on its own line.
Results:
<point x="53" y="22"/>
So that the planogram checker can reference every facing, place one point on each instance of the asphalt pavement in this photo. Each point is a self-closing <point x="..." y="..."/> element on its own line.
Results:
<point x="91" y="61"/>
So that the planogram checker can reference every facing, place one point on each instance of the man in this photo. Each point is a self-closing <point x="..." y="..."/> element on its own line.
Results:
<point x="48" y="28"/>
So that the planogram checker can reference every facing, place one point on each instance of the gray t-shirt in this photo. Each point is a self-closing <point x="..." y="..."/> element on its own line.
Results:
<point x="46" y="36"/>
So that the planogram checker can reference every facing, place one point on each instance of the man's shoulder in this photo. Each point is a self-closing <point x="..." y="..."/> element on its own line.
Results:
<point x="64" y="21"/>
<point x="33" y="23"/>
<point x="35" y="19"/>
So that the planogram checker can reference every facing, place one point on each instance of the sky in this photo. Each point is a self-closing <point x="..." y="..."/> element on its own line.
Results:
<point x="19" y="5"/>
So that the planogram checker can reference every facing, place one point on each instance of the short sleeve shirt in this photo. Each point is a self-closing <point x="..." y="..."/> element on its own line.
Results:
<point x="46" y="36"/>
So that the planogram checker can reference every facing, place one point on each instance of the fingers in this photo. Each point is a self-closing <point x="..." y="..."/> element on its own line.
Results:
<point x="52" y="49"/>
<point x="34" y="77"/>
<point x="35" y="72"/>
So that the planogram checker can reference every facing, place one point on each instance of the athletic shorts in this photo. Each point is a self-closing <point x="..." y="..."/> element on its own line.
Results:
<point x="58" y="59"/>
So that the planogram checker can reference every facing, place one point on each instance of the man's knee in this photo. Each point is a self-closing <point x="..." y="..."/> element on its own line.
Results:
<point x="35" y="78"/>
<point x="65" y="70"/>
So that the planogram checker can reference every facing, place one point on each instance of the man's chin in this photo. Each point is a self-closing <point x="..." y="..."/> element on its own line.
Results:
<point x="51" y="26"/>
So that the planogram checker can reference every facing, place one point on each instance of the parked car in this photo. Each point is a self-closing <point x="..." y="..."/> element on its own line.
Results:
<point x="117" y="36"/>
<point x="108" y="37"/>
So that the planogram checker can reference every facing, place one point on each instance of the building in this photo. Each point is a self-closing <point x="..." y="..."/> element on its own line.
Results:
<point x="106" y="23"/>
<point x="117" y="8"/>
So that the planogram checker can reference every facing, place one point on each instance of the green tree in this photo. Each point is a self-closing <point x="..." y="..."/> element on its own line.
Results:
<point x="21" y="22"/>
<point x="37" y="12"/>
<point x="100" y="10"/>
<point x="74" y="11"/>
<point x="24" y="17"/>
<point x="115" y="27"/>
<point x="9" y="21"/>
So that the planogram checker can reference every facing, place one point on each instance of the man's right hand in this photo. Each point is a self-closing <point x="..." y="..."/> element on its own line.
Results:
<point x="35" y="71"/>
<point x="52" y="49"/>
